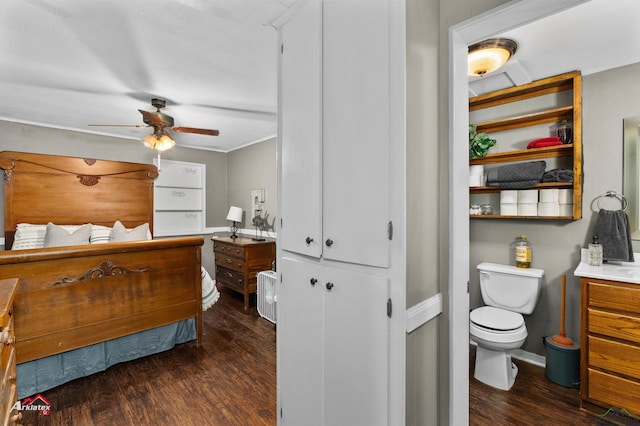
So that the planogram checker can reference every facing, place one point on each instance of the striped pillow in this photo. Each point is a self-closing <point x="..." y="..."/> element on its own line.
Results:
<point x="29" y="236"/>
<point x="99" y="234"/>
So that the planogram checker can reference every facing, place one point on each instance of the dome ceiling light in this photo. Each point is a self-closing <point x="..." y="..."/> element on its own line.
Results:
<point x="487" y="56"/>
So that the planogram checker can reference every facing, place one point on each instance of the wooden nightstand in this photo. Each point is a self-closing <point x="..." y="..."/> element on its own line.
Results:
<point x="238" y="262"/>
<point x="9" y="385"/>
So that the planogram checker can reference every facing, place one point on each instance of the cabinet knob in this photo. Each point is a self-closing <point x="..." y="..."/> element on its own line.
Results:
<point x="313" y="281"/>
<point x="329" y="286"/>
<point x="309" y="240"/>
<point x="329" y="242"/>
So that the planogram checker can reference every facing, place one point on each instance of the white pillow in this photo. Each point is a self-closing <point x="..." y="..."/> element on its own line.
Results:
<point x="29" y="236"/>
<point x="121" y="234"/>
<point x="99" y="234"/>
<point x="58" y="236"/>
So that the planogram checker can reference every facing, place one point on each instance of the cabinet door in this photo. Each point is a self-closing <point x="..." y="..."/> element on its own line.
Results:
<point x="356" y="356"/>
<point x="300" y="133"/>
<point x="332" y="346"/>
<point x="356" y="130"/>
<point x="300" y="343"/>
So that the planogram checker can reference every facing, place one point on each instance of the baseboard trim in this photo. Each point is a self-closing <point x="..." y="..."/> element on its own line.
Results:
<point x="525" y="356"/>
<point x="423" y="312"/>
<point x="529" y="357"/>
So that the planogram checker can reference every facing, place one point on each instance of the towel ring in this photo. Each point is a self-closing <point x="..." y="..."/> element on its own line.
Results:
<point x="614" y="194"/>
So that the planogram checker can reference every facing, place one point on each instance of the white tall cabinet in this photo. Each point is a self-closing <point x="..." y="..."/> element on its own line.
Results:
<point x="337" y="316"/>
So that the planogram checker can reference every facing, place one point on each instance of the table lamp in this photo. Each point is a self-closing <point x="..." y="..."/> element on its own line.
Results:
<point x="234" y="215"/>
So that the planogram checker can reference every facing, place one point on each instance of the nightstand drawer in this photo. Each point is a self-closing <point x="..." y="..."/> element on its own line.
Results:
<point x="230" y="278"/>
<point x="7" y="343"/>
<point x="8" y="376"/>
<point x="222" y="248"/>
<point x="229" y="262"/>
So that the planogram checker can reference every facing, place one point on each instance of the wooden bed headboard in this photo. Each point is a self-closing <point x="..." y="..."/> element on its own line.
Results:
<point x="41" y="188"/>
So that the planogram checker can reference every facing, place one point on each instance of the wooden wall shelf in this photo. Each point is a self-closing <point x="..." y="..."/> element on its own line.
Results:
<point x="565" y="82"/>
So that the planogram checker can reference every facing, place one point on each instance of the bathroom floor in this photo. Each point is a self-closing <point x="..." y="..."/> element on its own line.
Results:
<point x="533" y="400"/>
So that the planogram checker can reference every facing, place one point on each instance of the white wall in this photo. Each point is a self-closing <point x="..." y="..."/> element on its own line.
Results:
<point x="253" y="167"/>
<point x="423" y="221"/>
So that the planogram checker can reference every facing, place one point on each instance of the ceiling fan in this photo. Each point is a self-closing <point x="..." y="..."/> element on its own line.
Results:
<point x="160" y="139"/>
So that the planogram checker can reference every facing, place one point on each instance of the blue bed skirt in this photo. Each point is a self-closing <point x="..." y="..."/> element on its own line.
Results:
<point x="46" y="373"/>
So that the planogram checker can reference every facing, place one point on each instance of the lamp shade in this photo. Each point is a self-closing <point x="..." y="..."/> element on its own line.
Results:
<point x="159" y="143"/>
<point x="235" y="214"/>
<point x="489" y="55"/>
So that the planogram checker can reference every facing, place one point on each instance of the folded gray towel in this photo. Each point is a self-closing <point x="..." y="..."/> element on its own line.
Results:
<point x="518" y="184"/>
<point x="558" y="175"/>
<point x="519" y="175"/>
<point x="614" y="233"/>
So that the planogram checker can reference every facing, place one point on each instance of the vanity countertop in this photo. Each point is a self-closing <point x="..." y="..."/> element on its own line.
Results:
<point x="628" y="272"/>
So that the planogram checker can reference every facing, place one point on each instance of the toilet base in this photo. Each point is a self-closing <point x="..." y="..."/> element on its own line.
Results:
<point x="495" y="368"/>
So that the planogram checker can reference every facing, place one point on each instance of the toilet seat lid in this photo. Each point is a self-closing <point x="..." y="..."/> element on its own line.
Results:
<point x="496" y="318"/>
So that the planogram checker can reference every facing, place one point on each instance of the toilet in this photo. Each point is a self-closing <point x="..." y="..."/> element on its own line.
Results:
<point x="508" y="292"/>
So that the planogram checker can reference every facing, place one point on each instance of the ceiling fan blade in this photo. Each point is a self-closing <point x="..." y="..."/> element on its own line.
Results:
<point x="208" y="132"/>
<point x="156" y="118"/>
<point x="117" y="125"/>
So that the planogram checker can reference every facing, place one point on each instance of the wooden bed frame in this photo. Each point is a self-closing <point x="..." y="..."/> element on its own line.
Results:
<point x="70" y="297"/>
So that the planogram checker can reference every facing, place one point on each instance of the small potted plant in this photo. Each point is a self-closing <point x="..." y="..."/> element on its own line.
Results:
<point x="479" y="143"/>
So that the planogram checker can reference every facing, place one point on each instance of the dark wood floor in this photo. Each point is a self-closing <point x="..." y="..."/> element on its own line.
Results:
<point x="231" y="380"/>
<point x="533" y="400"/>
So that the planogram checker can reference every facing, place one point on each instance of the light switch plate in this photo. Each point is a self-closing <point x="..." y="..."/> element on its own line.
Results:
<point x="257" y="199"/>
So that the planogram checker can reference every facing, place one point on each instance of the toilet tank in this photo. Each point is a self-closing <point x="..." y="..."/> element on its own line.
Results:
<point x="509" y="287"/>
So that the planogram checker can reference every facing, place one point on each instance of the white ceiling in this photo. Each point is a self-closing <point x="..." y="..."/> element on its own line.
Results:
<point x="71" y="63"/>
<point x="594" y="36"/>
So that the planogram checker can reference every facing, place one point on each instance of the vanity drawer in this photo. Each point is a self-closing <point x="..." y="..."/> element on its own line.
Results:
<point x="614" y="391"/>
<point x="617" y="357"/>
<point x="617" y="296"/>
<point x="614" y="324"/>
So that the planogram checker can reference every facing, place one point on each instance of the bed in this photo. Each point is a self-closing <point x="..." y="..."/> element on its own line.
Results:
<point x="83" y="307"/>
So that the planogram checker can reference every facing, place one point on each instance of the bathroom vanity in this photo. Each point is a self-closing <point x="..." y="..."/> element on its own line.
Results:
<point x="610" y="337"/>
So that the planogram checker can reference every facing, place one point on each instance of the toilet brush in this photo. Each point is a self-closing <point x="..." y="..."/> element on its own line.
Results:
<point x="561" y="338"/>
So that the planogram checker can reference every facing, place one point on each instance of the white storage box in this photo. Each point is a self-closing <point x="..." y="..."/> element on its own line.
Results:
<point x="527" y="196"/>
<point x="565" y="196"/>
<point x="549" y="195"/>
<point x="509" y="197"/>
<point x="566" y="209"/>
<point x="508" y="209"/>
<point x="548" y="209"/>
<point x="527" y="209"/>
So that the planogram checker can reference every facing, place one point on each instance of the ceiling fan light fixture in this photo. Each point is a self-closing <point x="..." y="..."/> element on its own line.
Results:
<point x="159" y="143"/>
<point x="489" y="55"/>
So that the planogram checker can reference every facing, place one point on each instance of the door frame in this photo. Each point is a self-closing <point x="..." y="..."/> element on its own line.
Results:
<point x="489" y="24"/>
